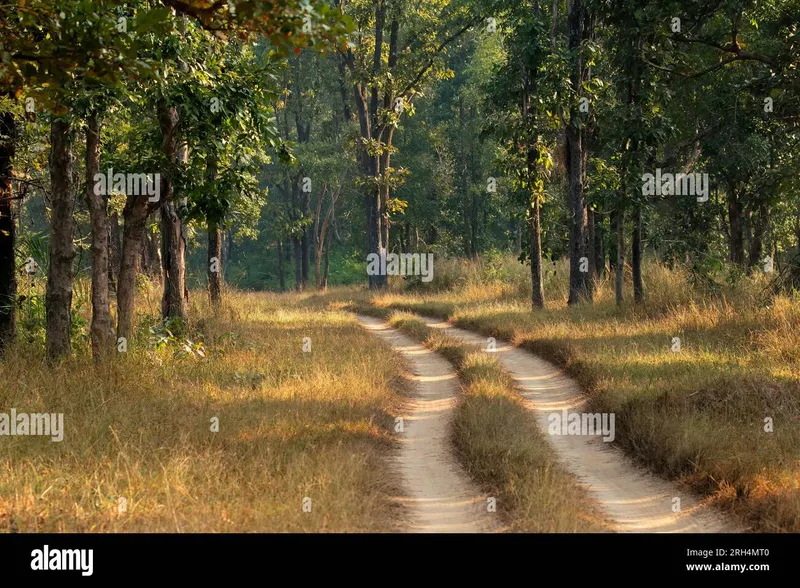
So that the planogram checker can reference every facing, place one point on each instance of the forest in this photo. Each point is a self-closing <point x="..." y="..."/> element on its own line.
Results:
<point x="224" y="223"/>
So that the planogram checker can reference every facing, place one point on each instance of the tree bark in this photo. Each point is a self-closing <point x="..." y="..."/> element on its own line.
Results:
<point x="760" y="227"/>
<point x="636" y="255"/>
<point x="537" y="295"/>
<point x="591" y="243"/>
<point x="214" y="263"/>
<point x="578" y="290"/>
<point x="58" y="300"/>
<point x="173" y="242"/>
<point x="8" y="272"/>
<point x="599" y="249"/>
<point x="135" y="218"/>
<point x="101" y="330"/>
<point x="298" y="267"/>
<point x="327" y="263"/>
<point x="214" y="259"/>
<point x="619" y="265"/>
<point x="281" y="270"/>
<point x="114" y="250"/>
<point x="173" y="247"/>
<point x="736" y="240"/>
<point x="305" y="244"/>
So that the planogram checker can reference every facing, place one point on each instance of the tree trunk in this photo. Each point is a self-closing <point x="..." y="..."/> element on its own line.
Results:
<point x="8" y="271"/>
<point x="636" y="255"/>
<point x="214" y="260"/>
<point x="575" y="157"/>
<point x="619" y="265"/>
<point x="101" y="330"/>
<point x="591" y="244"/>
<point x="327" y="263"/>
<point x="281" y="270"/>
<point x="214" y="263"/>
<point x="114" y="250"/>
<point x="135" y="218"/>
<point x="58" y="301"/>
<point x="760" y="225"/>
<point x="599" y="250"/>
<point x="173" y="243"/>
<point x="298" y="267"/>
<point x="736" y="240"/>
<point x="537" y="296"/>
<point x="173" y="246"/>
<point x="305" y="254"/>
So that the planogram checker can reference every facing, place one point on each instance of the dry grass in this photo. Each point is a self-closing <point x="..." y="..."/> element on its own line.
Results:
<point x="697" y="415"/>
<point x="291" y="425"/>
<point x="499" y="444"/>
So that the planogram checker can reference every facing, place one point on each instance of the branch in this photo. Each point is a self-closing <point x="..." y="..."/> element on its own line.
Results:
<point x="439" y="49"/>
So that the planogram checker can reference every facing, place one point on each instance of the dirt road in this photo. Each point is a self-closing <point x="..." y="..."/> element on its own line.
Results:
<point x="439" y="495"/>
<point x="634" y="499"/>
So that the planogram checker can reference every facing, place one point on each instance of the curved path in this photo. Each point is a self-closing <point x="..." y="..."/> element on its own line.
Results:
<point x="634" y="499"/>
<point x="439" y="495"/>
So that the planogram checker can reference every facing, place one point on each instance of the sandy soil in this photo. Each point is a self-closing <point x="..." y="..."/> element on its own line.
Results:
<point x="439" y="495"/>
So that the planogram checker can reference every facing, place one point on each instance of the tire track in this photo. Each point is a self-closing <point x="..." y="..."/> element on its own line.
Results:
<point x="634" y="499"/>
<point x="440" y="496"/>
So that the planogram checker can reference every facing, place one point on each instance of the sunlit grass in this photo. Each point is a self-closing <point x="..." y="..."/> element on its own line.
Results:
<point x="697" y="414"/>
<point x="291" y="425"/>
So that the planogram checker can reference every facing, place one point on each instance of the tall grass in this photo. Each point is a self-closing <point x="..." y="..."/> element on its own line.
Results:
<point x="291" y="425"/>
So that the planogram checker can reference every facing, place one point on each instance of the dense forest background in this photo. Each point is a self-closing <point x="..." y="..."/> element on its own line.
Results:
<point x="294" y="140"/>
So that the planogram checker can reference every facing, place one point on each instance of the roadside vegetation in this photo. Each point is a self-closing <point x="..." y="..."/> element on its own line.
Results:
<point x="721" y="414"/>
<point x="139" y="453"/>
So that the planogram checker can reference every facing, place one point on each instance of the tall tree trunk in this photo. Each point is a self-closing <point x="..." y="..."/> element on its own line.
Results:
<point x="591" y="244"/>
<point x="347" y="114"/>
<point x="114" y="250"/>
<point x="101" y="330"/>
<point x="58" y="301"/>
<point x="537" y="295"/>
<point x="327" y="262"/>
<point x="736" y="240"/>
<point x="305" y="252"/>
<point x="8" y="270"/>
<point x="619" y="265"/>
<point x="173" y="248"/>
<point x="367" y="118"/>
<point x="575" y="157"/>
<point x="214" y="262"/>
<point x="298" y="267"/>
<point x="599" y="249"/>
<point x="281" y="270"/>
<point x="636" y="255"/>
<point x="760" y="226"/>
<point x="173" y="243"/>
<point x="214" y="259"/>
<point x="135" y="218"/>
